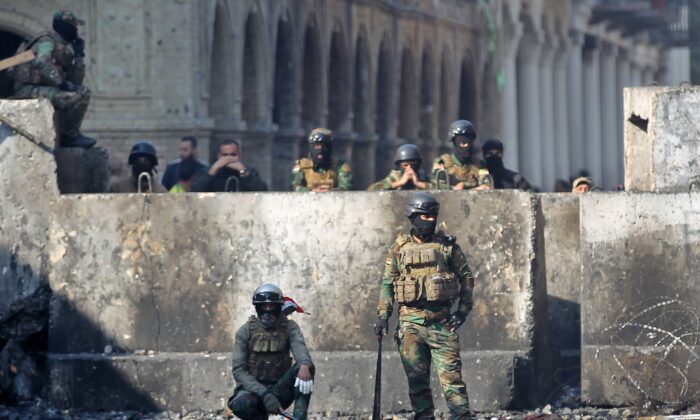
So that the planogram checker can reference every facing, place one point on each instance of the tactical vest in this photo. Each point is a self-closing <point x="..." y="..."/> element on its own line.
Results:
<point x="424" y="272"/>
<point x="268" y="351"/>
<point x="470" y="175"/>
<point x="29" y="73"/>
<point x="316" y="179"/>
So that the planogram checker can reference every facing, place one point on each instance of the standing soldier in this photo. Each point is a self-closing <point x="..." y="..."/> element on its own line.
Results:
<point x="455" y="170"/>
<point x="57" y="74"/>
<point x="266" y="380"/>
<point x="320" y="172"/>
<point x="407" y="173"/>
<point x="425" y="273"/>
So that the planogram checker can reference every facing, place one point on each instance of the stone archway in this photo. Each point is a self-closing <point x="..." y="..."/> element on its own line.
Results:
<point x="338" y="81"/>
<point x="383" y="111"/>
<point x="363" y="149"/>
<point x="426" y="132"/>
<point x="253" y="108"/>
<point x="467" y="91"/>
<point x="408" y="99"/>
<point x="445" y="116"/>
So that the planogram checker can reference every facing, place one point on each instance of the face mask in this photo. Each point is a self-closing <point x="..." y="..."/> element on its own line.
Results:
<point x="66" y="30"/>
<point x="464" y="154"/>
<point x="140" y="167"/>
<point x="269" y="319"/>
<point x="494" y="163"/>
<point x="424" y="229"/>
<point x="322" y="157"/>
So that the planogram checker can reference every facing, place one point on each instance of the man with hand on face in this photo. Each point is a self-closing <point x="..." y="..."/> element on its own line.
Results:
<point x="461" y="173"/>
<point x="188" y="151"/>
<point x="320" y="172"/>
<point x="143" y="160"/>
<point x="407" y="173"/>
<point x="266" y="380"/>
<point x="425" y="273"/>
<point x="228" y="173"/>
<point x="503" y="178"/>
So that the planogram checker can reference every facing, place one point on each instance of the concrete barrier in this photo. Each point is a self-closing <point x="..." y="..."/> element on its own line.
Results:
<point x="174" y="274"/>
<point x="640" y="300"/>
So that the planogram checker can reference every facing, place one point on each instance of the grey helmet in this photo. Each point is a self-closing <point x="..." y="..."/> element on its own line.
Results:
<point x="461" y="128"/>
<point x="321" y="135"/>
<point x="422" y="203"/>
<point x="268" y="293"/>
<point x="407" y="152"/>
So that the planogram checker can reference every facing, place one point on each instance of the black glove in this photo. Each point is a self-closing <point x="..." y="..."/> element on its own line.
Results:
<point x="79" y="47"/>
<point x="69" y="86"/>
<point x="456" y="320"/>
<point x="381" y="327"/>
<point x="272" y="404"/>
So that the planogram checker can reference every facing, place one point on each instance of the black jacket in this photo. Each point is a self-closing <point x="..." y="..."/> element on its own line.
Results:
<point x="172" y="172"/>
<point x="505" y="179"/>
<point x="208" y="183"/>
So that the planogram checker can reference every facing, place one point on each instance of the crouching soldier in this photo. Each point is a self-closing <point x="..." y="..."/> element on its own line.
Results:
<point x="267" y="381"/>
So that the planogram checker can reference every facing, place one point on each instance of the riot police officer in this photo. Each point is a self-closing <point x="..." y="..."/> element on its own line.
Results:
<point x="426" y="272"/>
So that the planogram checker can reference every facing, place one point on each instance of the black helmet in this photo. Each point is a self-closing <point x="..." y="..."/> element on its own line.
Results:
<point x="492" y="144"/>
<point x="461" y="128"/>
<point x="407" y="152"/>
<point x="321" y="135"/>
<point x="422" y="202"/>
<point x="146" y="149"/>
<point x="267" y="293"/>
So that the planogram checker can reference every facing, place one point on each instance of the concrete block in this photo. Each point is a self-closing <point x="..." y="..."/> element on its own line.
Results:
<point x="639" y="301"/>
<point x="175" y="273"/>
<point x="27" y="187"/>
<point x="662" y="140"/>
<point x="82" y="171"/>
<point x="199" y="381"/>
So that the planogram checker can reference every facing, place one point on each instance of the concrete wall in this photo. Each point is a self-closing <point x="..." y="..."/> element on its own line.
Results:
<point x="27" y="187"/>
<point x="661" y="139"/>
<point x="174" y="274"/>
<point x="640" y="298"/>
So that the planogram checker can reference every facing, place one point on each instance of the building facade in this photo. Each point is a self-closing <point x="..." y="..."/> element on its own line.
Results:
<point x="545" y="76"/>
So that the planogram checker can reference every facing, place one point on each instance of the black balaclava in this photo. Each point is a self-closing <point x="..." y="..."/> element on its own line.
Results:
<point x="494" y="163"/>
<point x="423" y="229"/>
<point x="68" y="31"/>
<point x="464" y="154"/>
<point x="269" y="319"/>
<point x="321" y="158"/>
<point x="140" y="166"/>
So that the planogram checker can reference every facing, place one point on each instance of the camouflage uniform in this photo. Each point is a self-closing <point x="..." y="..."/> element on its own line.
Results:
<point x="55" y="64"/>
<point x="262" y="364"/>
<point x="425" y="279"/>
<point x="469" y="174"/>
<point x="395" y="175"/>
<point x="305" y="177"/>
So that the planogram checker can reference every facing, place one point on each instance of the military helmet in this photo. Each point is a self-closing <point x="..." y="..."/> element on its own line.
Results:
<point x="143" y="148"/>
<point x="407" y="152"/>
<point x="68" y="17"/>
<point x="461" y="128"/>
<point x="267" y="293"/>
<point x="321" y="136"/>
<point x="422" y="203"/>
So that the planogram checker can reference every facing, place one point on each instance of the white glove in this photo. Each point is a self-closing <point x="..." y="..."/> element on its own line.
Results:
<point x="305" y="387"/>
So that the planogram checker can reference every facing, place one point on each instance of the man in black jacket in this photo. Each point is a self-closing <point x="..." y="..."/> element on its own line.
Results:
<point x="228" y="173"/>
<point x="503" y="178"/>
<point x="188" y="150"/>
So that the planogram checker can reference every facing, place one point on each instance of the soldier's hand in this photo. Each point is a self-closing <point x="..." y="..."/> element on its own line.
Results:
<point x="272" y="404"/>
<point x="459" y="186"/>
<point x="381" y="327"/>
<point x="223" y="161"/>
<point x="456" y="320"/>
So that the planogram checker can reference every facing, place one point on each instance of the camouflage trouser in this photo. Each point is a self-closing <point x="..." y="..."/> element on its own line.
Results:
<point x="70" y="106"/>
<point x="249" y="406"/>
<point x="420" y="345"/>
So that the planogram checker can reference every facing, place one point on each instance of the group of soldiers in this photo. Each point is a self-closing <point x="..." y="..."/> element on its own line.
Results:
<point x="425" y="275"/>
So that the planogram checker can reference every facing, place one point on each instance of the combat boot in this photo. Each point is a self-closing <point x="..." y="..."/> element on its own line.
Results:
<point x="81" y="141"/>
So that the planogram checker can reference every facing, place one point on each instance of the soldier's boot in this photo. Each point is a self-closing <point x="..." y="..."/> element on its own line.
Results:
<point x="79" y="140"/>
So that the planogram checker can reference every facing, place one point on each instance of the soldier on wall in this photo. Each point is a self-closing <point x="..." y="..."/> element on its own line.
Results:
<point x="320" y="172"/>
<point x="456" y="171"/>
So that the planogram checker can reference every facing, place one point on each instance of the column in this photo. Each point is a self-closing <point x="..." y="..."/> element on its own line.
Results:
<point x="635" y="74"/>
<point x="575" y="104"/>
<point x="609" y="99"/>
<point x="591" y="110"/>
<point x="509" y="102"/>
<point x="547" y="149"/>
<point x="529" y="110"/>
<point x="561" y="107"/>
<point x="623" y="81"/>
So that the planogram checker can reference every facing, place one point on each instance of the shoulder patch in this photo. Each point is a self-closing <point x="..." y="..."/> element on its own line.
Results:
<point x="305" y="163"/>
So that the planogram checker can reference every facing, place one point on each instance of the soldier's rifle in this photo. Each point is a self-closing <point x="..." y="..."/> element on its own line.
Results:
<point x="376" y="409"/>
<point x="287" y="415"/>
<point x="6" y="122"/>
<point x="16" y="60"/>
